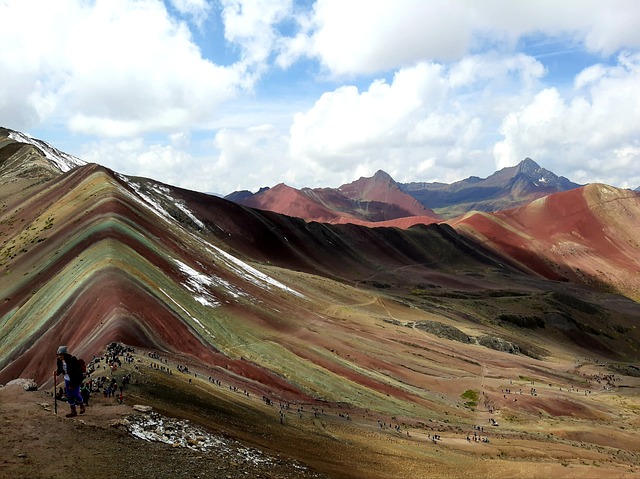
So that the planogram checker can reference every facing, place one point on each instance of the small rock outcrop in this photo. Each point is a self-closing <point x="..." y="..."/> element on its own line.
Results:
<point x="27" y="384"/>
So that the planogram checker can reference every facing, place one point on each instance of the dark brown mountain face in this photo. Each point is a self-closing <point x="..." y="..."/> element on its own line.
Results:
<point x="341" y="350"/>
<point x="505" y="189"/>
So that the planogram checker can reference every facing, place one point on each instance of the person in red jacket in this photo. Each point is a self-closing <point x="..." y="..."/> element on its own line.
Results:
<point x="70" y="367"/>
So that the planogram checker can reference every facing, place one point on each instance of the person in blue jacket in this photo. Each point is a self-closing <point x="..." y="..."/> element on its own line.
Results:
<point x="70" y="367"/>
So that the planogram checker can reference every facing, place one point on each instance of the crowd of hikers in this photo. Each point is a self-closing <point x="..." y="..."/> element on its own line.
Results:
<point x="78" y="383"/>
<point x="82" y="382"/>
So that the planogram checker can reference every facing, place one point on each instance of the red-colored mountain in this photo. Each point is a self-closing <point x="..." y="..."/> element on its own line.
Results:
<point x="587" y="235"/>
<point x="375" y="201"/>
<point x="381" y="200"/>
<point x="308" y="204"/>
<point x="383" y="189"/>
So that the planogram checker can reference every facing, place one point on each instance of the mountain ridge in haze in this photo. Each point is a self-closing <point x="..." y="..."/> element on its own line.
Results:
<point x="505" y="189"/>
<point x="381" y="198"/>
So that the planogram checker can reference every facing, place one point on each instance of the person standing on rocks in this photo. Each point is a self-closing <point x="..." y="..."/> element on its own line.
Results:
<point x="70" y="367"/>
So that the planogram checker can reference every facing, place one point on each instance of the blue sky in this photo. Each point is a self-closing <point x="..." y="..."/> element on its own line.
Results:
<point x="224" y="95"/>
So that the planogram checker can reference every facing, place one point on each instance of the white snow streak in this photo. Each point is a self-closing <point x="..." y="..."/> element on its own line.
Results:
<point x="63" y="161"/>
<point x="253" y="275"/>
<point x="241" y="268"/>
<point x="188" y="212"/>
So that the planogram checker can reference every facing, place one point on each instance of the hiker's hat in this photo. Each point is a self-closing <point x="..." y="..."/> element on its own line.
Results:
<point x="62" y="350"/>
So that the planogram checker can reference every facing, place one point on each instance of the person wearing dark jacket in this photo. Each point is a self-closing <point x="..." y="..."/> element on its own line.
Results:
<point x="70" y="367"/>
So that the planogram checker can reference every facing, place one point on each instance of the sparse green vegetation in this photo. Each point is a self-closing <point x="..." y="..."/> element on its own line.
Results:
<point x="470" y="394"/>
<point x="472" y="397"/>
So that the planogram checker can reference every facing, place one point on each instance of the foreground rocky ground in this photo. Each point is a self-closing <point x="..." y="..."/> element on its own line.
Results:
<point x="36" y="443"/>
<point x="201" y="428"/>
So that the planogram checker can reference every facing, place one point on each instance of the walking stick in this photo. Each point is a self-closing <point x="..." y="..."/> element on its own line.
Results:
<point x="55" y="393"/>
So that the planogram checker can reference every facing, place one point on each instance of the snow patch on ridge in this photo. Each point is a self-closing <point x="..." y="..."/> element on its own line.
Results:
<point x="193" y="318"/>
<point x="253" y="275"/>
<point x="63" y="161"/>
<point x="188" y="212"/>
<point x="148" y="201"/>
<point x="197" y="283"/>
<point x="239" y="267"/>
<point x="157" y="207"/>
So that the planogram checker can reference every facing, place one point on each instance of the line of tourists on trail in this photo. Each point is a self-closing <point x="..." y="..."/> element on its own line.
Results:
<point x="77" y="392"/>
<point x="477" y="437"/>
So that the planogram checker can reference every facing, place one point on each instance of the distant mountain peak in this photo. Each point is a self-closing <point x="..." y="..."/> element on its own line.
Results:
<point x="381" y="175"/>
<point x="542" y="177"/>
<point x="507" y="188"/>
<point x="528" y="165"/>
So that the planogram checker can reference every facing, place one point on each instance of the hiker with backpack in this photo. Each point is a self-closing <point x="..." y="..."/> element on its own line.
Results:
<point x="73" y="372"/>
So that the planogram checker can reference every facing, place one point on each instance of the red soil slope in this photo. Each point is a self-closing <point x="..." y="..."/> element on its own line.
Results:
<point x="589" y="235"/>
<point x="382" y="188"/>
<point x="303" y="204"/>
<point x="375" y="201"/>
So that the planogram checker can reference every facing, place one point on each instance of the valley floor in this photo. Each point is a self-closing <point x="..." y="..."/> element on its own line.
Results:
<point x="595" y="433"/>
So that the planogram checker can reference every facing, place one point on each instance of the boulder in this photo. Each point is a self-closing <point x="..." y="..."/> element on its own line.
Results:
<point x="27" y="384"/>
<point x="141" y="408"/>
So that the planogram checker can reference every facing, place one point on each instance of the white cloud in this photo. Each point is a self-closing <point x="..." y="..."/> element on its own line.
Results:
<point x="135" y="157"/>
<point x="429" y="116"/>
<point x="236" y="159"/>
<point x="112" y="68"/>
<point x="614" y="25"/>
<point x="251" y="25"/>
<point x="593" y="132"/>
<point x="251" y="158"/>
<point x="491" y="66"/>
<point x="453" y="97"/>
<point x="346" y="121"/>
<point x="198" y="10"/>
<point x="367" y="36"/>
<point x="374" y="35"/>
<point x="180" y="139"/>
